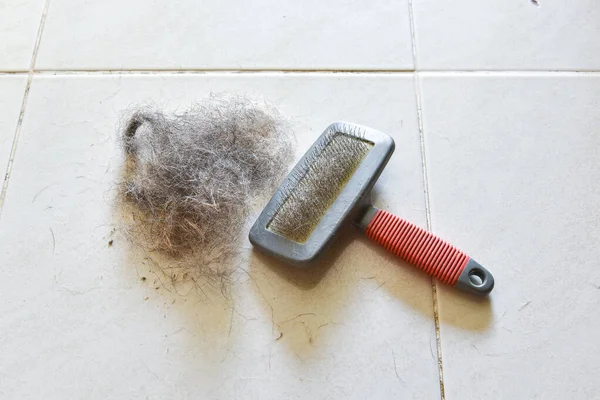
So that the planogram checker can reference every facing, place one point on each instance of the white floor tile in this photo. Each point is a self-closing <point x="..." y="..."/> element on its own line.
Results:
<point x="75" y="321"/>
<point x="228" y="34"/>
<point x="11" y="97"/>
<point x="19" y="21"/>
<point x="507" y="35"/>
<point x="514" y="165"/>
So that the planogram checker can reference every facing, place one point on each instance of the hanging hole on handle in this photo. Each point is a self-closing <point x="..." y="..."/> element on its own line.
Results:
<point x="476" y="277"/>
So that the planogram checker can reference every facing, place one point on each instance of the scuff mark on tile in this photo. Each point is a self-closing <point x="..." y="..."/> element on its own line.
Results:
<point x="524" y="305"/>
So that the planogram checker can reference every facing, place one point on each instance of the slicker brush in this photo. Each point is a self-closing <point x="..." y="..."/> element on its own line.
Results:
<point x="330" y="188"/>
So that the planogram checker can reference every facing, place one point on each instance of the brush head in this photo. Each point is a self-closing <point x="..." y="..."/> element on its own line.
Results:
<point x="325" y="189"/>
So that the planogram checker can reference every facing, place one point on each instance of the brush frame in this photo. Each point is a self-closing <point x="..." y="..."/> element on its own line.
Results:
<point x="347" y="206"/>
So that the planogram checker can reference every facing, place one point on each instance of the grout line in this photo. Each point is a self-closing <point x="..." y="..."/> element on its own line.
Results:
<point x="506" y="72"/>
<point x="222" y="70"/>
<point x="413" y="36"/>
<point x="30" y="74"/>
<point x="417" y="89"/>
<point x="426" y="196"/>
<point x="447" y="73"/>
<point x="23" y="72"/>
<point x="293" y="71"/>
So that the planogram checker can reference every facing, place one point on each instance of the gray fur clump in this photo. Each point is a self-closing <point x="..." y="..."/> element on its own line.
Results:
<point x="192" y="176"/>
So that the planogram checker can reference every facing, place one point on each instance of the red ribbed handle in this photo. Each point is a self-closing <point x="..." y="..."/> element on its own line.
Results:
<point x="417" y="246"/>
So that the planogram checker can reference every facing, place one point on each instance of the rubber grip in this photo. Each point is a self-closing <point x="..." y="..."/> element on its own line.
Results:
<point x="433" y="255"/>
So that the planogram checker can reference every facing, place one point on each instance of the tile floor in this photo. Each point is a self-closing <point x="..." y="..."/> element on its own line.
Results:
<point x="494" y="108"/>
